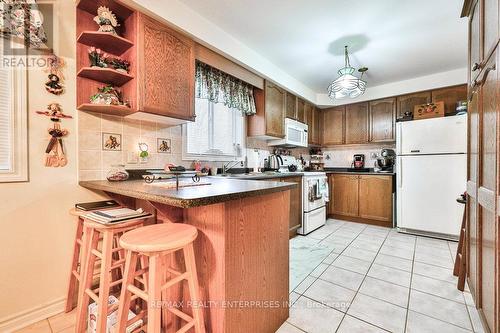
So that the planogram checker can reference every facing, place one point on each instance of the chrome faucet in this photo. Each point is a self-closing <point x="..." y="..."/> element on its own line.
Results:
<point x="229" y="165"/>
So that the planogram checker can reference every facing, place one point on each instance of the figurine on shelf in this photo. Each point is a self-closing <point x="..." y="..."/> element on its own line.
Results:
<point x="106" y="20"/>
<point x="53" y="86"/>
<point x="54" y="154"/>
<point x="56" y="76"/>
<point x="97" y="58"/>
<point x="108" y="95"/>
<point x="119" y="64"/>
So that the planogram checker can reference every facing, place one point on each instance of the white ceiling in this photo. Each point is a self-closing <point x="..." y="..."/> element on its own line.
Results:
<point x="396" y="39"/>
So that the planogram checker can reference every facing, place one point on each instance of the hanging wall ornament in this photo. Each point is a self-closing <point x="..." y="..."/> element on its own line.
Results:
<point x="56" y="76"/>
<point x="54" y="154"/>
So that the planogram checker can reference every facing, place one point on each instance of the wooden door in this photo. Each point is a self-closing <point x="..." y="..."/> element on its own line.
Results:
<point x="450" y="96"/>
<point x="475" y="42"/>
<point x="382" y="120"/>
<point x="291" y="105"/>
<point x="407" y="103"/>
<point x="345" y="194"/>
<point x="375" y="198"/>
<point x="333" y="126"/>
<point x="356" y="123"/>
<point x="295" y="204"/>
<point x="274" y="110"/>
<point x="165" y="70"/>
<point x="308" y="110"/>
<point x="486" y="193"/>
<point x="490" y="26"/>
<point x="301" y="116"/>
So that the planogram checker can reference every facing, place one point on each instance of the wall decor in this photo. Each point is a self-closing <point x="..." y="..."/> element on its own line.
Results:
<point x="111" y="142"/>
<point x="163" y="146"/>
<point x="106" y="20"/>
<point x="143" y="147"/>
<point x="55" y="66"/>
<point x="429" y="110"/>
<point x="54" y="153"/>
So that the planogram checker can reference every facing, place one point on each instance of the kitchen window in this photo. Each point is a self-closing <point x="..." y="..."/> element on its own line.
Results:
<point x="216" y="135"/>
<point x="13" y="125"/>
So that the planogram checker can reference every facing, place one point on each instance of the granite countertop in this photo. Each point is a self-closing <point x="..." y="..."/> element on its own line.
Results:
<point x="347" y="171"/>
<point x="261" y="176"/>
<point x="219" y="190"/>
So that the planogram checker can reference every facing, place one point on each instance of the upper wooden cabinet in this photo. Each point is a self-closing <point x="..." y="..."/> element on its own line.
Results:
<point x="291" y="106"/>
<point x="356" y="123"/>
<point x="333" y="130"/>
<point x="450" y="96"/>
<point x="301" y="115"/>
<point x="382" y="120"/>
<point x="269" y="122"/>
<point x="490" y="26"/>
<point x="166" y="69"/>
<point x="312" y="122"/>
<point x="406" y="103"/>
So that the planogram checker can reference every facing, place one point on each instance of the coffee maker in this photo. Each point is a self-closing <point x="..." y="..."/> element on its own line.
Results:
<point x="385" y="163"/>
<point x="358" y="161"/>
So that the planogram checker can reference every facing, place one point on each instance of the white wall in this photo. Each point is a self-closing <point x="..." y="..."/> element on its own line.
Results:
<point x="36" y="230"/>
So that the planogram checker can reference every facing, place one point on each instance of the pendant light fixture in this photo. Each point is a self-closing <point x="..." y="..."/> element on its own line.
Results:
<point x="347" y="85"/>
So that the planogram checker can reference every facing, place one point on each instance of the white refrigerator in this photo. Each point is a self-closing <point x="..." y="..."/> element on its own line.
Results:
<point x="431" y="172"/>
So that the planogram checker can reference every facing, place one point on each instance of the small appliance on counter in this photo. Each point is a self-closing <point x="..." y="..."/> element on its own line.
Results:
<point x="385" y="163"/>
<point x="290" y="164"/>
<point x="358" y="161"/>
<point x="274" y="162"/>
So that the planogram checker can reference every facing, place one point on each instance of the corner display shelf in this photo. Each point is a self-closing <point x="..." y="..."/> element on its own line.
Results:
<point x="105" y="41"/>
<point x="105" y="75"/>
<point x="117" y="110"/>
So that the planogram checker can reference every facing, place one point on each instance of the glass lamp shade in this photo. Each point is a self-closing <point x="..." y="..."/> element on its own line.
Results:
<point x="346" y="85"/>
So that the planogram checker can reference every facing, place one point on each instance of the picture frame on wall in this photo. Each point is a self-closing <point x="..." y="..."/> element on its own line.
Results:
<point x="111" y="142"/>
<point x="163" y="146"/>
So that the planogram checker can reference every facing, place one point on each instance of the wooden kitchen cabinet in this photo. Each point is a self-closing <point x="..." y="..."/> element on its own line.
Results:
<point x="312" y="122"/>
<point x="383" y="120"/>
<point x="345" y="195"/>
<point x="361" y="198"/>
<point x="166" y="67"/>
<point x="375" y="197"/>
<point x="406" y="103"/>
<point x="291" y="106"/>
<point x="269" y="121"/>
<point x="295" y="204"/>
<point x="333" y="126"/>
<point x="356" y="123"/>
<point x="450" y="96"/>
<point x="301" y="115"/>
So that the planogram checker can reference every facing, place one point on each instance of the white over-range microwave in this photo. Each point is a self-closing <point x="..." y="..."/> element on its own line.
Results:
<point x="295" y="135"/>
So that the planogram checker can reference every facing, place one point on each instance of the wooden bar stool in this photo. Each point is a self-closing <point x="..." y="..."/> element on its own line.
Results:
<point x="157" y="242"/>
<point x="460" y="259"/>
<point x="110" y="272"/>
<point x="75" y="270"/>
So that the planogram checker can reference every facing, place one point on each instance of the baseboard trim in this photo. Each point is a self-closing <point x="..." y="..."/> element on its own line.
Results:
<point x="31" y="316"/>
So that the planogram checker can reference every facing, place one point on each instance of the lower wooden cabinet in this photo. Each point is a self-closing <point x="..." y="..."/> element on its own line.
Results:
<point x="363" y="198"/>
<point x="295" y="202"/>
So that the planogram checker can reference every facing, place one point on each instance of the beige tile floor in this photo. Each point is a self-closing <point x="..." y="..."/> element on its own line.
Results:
<point x="373" y="280"/>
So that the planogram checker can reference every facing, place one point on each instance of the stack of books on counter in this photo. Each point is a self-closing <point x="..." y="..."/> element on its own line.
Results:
<point x="110" y="216"/>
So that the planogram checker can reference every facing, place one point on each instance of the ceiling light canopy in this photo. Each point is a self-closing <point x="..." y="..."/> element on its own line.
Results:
<point x="347" y="85"/>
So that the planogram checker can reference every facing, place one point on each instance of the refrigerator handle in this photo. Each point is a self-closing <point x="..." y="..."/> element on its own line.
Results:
<point x="399" y="138"/>
<point x="399" y="163"/>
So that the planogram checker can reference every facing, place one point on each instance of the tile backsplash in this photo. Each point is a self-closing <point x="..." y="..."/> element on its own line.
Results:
<point x="343" y="156"/>
<point x="95" y="162"/>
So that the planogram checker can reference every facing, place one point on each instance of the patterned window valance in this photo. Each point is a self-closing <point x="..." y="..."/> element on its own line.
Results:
<point x="21" y="18"/>
<point x="220" y="87"/>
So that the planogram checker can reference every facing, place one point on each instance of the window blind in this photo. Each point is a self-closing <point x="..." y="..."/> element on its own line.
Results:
<point x="6" y="120"/>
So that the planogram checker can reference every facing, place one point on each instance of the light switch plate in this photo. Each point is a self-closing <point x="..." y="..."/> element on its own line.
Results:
<point x="132" y="157"/>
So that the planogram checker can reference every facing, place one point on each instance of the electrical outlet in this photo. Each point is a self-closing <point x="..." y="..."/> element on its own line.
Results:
<point x="132" y="157"/>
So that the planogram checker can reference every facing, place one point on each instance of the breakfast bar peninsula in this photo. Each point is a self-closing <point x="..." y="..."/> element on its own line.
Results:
<point x="241" y="251"/>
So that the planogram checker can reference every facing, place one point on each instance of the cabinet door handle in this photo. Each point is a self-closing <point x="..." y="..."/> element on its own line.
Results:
<point x="476" y="66"/>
